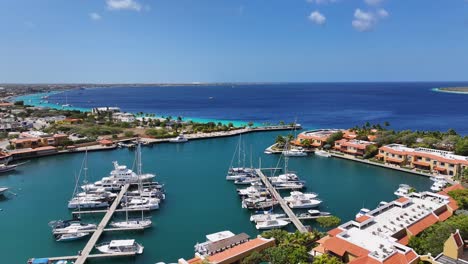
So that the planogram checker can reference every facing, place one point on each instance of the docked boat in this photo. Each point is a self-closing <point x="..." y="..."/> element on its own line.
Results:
<point x="304" y="203"/>
<point x="246" y="180"/>
<point x="87" y="203"/>
<point x="271" y="224"/>
<point x="120" y="246"/>
<point x="438" y="185"/>
<point x="265" y="216"/>
<point x="437" y="178"/>
<point x="141" y="203"/>
<point x="203" y="248"/>
<point x="284" y="177"/>
<point x="266" y="204"/>
<point x="72" y="236"/>
<point x="322" y="153"/>
<point x="73" y="227"/>
<point x="7" y="168"/>
<point x="133" y="223"/>
<point x="362" y="212"/>
<point x="148" y="192"/>
<point x="3" y="190"/>
<point x="403" y="190"/>
<point x="253" y="190"/>
<point x="179" y="139"/>
<point x="317" y="213"/>
<point x="295" y="195"/>
<point x="233" y="177"/>
<point x="294" y="152"/>
<point x="290" y="185"/>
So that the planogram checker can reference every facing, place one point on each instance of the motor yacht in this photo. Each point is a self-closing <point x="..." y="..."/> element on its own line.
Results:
<point x="87" y="203"/>
<point x="120" y="246"/>
<point x="6" y="168"/>
<point x="322" y="153"/>
<point x="362" y="212"/>
<point x="295" y="195"/>
<point x="317" y="213"/>
<point x="246" y="180"/>
<point x="271" y="224"/>
<point x="403" y="190"/>
<point x="133" y="223"/>
<point x="299" y="152"/>
<point x="264" y="216"/>
<point x="179" y="139"/>
<point x="71" y="236"/>
<point x="69" y="227"/>
<point x="141" y="203"/>
<point x="438" y="185"/>
<point x="304" y="203"/>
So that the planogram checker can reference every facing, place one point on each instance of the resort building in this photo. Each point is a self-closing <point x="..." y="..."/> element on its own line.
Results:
<point x="33" y="152"/>
<point x="231" y="250"/>
<point x="103" y="110"/>
<point x="381" y="235"/>
<point x="353" y="147"/>
<point x="123" y="117"/>
<point x="433" y="160"/>
<point x="317" y="138"/>
<point x="34" y="139"/>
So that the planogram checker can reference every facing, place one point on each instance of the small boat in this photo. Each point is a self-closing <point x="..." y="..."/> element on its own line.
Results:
<point x="403" y="190"/>
<point x="266" y="215"/>
<point x="246" y="180"/>
<point x="437" y="178"/>
<point x="271" y="224"/>
<point x="438" y="185"/>
<point x="133" y="223"/>
<point x="322" y="153"/>
<point x="73" y="235"/>
<point x="6" y="168"/>
<point x="299" y="152"/>
<point x="304" y="203"/>
<point x="179" y="139"/>
<point x="71" y="227"/>
<point x="317" y="213"/>
<point x="3" y="190"/>
<point x="120" y="246"/>
<point x="295" y="195"/>
<point x="362" y="212"/>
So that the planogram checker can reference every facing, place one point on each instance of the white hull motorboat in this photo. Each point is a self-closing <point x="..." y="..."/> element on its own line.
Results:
<point x="322" y="153"/>
<point x="72" y="236"/>
<point x="304" y="204"/>
<point x="120" y="246"/>
<point x="271" y="224"/>
<point x="295" y="195"/>
<point x="133" y="223"/>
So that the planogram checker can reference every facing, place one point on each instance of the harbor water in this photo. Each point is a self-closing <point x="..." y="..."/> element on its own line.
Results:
<point x="199" y="199"/>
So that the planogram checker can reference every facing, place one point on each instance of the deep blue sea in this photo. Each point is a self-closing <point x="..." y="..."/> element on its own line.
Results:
<point x="314" y="105"/>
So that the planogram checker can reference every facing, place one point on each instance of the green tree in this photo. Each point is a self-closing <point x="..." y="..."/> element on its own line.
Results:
<point x="334" y="137"/>
<point x="250" y="124"/>
<point x="371" y="151"/>
<point x="254" y="258"/>
<point x="280" y="141"/>
<point x="328" y="221"/>
<point x="306" y="143"/>
<point x="461" y="148"/>
<point x="386" y="124"/>
<point x="461" y="196"/>
<point x="326" y="259"/>
<point x="128" y="133"/>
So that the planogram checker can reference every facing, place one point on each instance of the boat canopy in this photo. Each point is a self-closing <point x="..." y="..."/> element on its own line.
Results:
<point x="40" y="261"/>
<point x="122" y="243"/>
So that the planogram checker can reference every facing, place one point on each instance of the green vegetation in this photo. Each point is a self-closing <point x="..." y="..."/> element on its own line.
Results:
<point x="328" y="221"/>
<point x="432" y="239"/>
<point x="461" y="196"/>
<point x="290" y="247"/>
<point x="371" y="151"/>
<point x="326" y="259"/>
<point x="334" y="137"/>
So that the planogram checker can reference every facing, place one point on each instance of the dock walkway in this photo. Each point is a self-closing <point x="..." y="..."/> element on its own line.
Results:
<point x="281" y="201"/>
<point x="85" y="253"/>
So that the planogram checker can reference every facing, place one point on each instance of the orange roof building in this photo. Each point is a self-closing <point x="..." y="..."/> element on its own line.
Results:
<point x="352" y="147"/>
<point x="317" y="138"/>
<point x="381" y="235"/>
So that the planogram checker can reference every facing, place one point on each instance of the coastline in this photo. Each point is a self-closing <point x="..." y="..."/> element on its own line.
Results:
<point x="36" y="100"/>
<point x="441" y="90"/>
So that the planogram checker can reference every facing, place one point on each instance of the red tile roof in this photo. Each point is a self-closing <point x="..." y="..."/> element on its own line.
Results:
<point x="335" y="231"/>
<point x="105" y="142"/>
<point x="421" y="163"/>
<point x="444" y="215"/>
<point x="340" y="247"/>
<point x="422" y="224"/>
<point x="394" y="160"/>
<point x="404" y="240"/>
<point x="453" y="188"/>
<point x="238" y="250"/>
<point x="362" y="218"/>
<point x="402" y="200"/>
<point x="458" y="238"/>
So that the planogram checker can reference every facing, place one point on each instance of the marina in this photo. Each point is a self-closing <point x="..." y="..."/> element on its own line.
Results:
<point x="204" y="183"/>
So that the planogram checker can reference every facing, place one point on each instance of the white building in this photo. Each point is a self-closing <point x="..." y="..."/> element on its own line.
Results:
<point x="123" y="117"/>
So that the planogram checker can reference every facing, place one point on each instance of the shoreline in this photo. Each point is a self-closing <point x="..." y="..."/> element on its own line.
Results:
<point x="35" y="100"/>
<point x="442" y="90"/>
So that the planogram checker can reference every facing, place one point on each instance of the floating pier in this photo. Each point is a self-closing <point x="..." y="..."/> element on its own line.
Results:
<point x="85" y="253"/>
<point x="294" y="219"/>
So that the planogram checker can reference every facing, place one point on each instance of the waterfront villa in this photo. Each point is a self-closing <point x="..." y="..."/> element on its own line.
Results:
<point x="317" y="138"/>
<point x="443" y="162"/>
<point x="381" y="235"/>
<point x="34" y="139"/>
<point x="353" y="147"/>
<point x="231" y="250"/>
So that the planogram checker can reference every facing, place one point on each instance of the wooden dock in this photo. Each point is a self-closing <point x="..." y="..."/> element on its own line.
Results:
<point x="85" y="253"/>
<point x="281" y="201"/>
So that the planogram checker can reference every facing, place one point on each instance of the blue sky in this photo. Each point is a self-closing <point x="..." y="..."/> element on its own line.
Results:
<point x="229" y="40"/>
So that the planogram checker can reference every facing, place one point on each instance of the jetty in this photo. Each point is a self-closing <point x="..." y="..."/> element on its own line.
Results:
<point x="294" y="219"/>
<point x="85" y="253"/>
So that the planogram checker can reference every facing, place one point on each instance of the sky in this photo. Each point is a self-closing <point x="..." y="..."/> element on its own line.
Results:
<point x="148" y="41"/>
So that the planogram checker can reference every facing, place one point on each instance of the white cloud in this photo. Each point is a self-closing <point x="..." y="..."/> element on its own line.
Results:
<point x="94" y="16"/>
<point x="319" y="2"/>
<point x="366" y="21"/>
<point x="123" y="5"/>
<point x="317" y="17"/>
<point x="373" y="2"/>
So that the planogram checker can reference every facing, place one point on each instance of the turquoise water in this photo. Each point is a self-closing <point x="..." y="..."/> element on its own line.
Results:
<point x="199" y="199"/>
